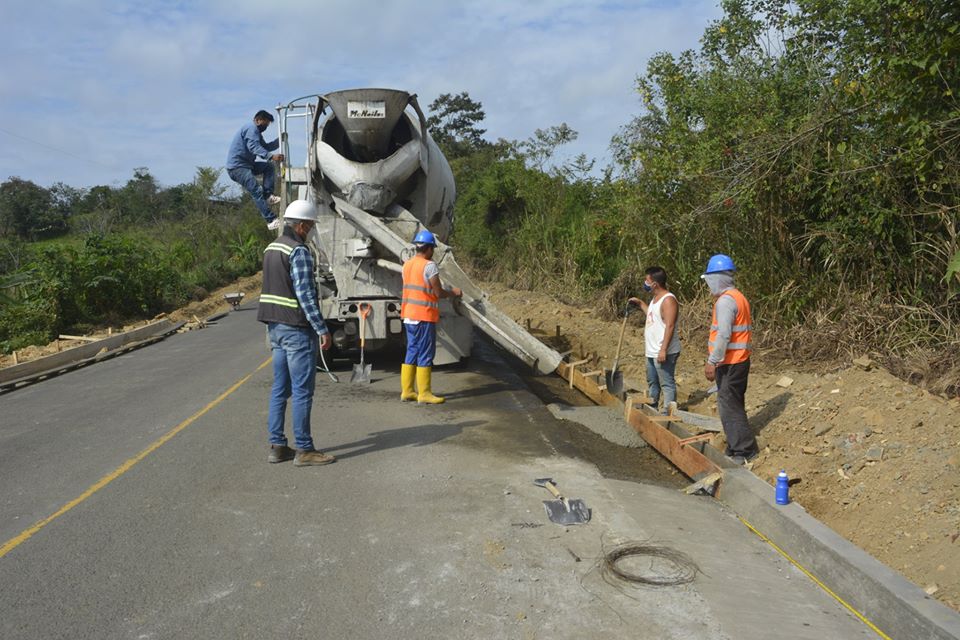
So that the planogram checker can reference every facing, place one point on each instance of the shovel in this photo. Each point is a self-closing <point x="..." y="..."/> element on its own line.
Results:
<point x="563" y="511"/>
<point x="361" y="372"/>
<point x="614" y="378"/>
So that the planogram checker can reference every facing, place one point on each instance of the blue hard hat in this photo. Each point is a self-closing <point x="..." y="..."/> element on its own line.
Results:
<point x="424" y="237"/>
<point x="719" y="263"/>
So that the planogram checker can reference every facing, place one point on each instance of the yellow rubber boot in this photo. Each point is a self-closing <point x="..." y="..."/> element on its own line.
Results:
<point x="423" y="385"/>
<point x="408" y="372"/>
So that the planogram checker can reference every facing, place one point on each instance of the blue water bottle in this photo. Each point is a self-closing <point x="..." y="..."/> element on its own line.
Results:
<point x="783" y="488"/>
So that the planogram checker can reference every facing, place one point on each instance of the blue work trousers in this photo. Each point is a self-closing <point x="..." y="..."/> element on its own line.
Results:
<point x="421" y="343"/>
<point x="661" y="376"/>
<point x="248" y="180"/>
<point x="294" y="373"/>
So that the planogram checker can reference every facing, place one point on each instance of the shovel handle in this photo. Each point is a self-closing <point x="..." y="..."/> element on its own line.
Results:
<point x="552" y="488"/>
<point x="623" y="329"/>
<point x="364" y="311"/>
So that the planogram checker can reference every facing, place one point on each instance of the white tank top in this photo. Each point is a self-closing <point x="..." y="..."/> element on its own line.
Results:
<point x="655" y="328"/>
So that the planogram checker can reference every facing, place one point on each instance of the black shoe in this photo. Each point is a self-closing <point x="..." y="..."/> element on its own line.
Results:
<point x="743" y="459"/>
<point x="280" y="453"/>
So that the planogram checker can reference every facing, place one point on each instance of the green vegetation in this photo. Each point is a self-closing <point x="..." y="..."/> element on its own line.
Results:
<point x="71" y="259"/>
<point x="817" y="142"/>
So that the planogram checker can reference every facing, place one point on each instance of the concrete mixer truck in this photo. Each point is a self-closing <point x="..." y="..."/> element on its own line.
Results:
<point x="378" y="177"/>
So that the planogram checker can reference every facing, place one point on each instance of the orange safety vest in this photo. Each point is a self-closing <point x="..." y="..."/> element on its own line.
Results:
<point x="419" y="301"/>
<point x="738" y="348"/>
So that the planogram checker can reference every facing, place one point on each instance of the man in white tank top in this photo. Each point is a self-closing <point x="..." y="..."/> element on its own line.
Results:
<point x="659" y="332"/>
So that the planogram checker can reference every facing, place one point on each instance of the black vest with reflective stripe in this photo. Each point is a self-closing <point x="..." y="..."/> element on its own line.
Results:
<point x="278" y="301"/>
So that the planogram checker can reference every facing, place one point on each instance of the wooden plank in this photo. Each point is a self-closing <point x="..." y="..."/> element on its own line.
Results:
<point x="587" y="386"/>
<point x="690" y="461"/>
<point x="83" y="338"/>
<point x="82" y="352"/>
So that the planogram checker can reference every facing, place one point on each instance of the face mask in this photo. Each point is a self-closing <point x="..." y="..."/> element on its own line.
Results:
<point x="262" y="127"/>
<point x="647" y="287"/>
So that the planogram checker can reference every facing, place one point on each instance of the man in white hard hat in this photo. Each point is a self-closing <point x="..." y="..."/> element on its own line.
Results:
<point x="243" y="167"/>
<point x="289" y="307"/>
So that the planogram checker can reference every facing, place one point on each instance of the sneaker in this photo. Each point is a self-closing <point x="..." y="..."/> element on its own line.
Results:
<point x="311" y="458"/>
<point x="273" y="200"/>
<point x="274" y="224"/>
<point x="744" y="459"/>
<point x="280" y="453"/>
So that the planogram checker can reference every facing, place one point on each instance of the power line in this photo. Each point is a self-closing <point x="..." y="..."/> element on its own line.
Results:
<point x="63" y="151"/>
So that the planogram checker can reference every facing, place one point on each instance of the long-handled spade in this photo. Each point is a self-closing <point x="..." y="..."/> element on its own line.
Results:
<point x="562" y="510"/>
<point x="614" y="378"/>
<point x="361" y="372"/>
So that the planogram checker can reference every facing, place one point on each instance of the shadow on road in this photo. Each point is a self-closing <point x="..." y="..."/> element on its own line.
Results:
<point x="418" y="436"/>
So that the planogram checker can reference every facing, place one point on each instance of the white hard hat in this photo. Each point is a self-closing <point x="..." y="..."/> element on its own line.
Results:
<point x="301" y="210"/>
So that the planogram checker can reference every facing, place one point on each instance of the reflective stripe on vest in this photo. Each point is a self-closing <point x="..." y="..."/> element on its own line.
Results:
<point x="293" y="303"/>
<point x="419" y="301"/>
<point x="738" y="348"/>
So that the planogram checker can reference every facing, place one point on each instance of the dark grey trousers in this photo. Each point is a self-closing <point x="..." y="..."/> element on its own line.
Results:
<point x="731" y="388"/>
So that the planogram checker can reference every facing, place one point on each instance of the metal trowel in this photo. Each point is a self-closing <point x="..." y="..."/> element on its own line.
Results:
<point x="562" y="510"/>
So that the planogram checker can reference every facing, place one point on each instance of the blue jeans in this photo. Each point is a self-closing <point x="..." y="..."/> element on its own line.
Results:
<point x="248" y="180"/>
<point x="294" y="372"/>
<point x="421" y="343"/>
<point x="660" y="375"/>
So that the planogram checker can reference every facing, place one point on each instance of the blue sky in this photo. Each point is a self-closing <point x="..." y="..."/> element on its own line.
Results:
<point x="92" y="89"/>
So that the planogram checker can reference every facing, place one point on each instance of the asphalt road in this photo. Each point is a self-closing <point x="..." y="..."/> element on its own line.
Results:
<point x="137" y="503"/>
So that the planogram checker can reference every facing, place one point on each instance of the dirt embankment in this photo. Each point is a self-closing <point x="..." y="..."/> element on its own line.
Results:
<point x="878" y="460"/>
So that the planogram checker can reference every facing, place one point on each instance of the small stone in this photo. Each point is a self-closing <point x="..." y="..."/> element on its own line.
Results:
<point x="822" y="429"/>
<point x="784" y="382"/>
<point x="810" y="451"/>
<point x="864" y="363"/>
<point x="931" y="589"/>
<point x="917" y="424"/>
<point x="875" y="454"/>
<point x="835" y="391"/>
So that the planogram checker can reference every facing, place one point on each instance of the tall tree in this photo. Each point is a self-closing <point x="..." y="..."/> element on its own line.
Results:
<point x="454" y="124"/>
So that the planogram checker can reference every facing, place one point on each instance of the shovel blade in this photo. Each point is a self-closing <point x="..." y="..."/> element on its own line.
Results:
<point x="557" y="511"/>
<point x="614" y="380"/>
<point x="361" y="373"/>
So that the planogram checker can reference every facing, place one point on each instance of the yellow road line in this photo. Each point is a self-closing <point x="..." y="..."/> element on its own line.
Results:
<point x="16" y="541"/>
<point x="829" y="591"/>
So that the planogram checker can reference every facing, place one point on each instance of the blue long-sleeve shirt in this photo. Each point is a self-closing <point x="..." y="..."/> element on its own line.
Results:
<point x="301" y="275"/>
<point x="247" y="146"/>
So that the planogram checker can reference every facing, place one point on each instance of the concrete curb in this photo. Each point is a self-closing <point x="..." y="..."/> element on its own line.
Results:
<point x="886" y="599"/>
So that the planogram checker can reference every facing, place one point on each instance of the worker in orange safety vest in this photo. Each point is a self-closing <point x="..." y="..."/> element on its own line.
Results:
<point x="728" y="360"/>
<point x="420" y="311"/>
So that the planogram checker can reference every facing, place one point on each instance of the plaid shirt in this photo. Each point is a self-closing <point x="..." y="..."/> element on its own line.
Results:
<point x="301" y="274"/>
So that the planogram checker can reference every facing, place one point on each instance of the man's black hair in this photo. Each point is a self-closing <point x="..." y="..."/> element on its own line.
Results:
<point x="263" y="115"/>
<point x="658" y="275"/>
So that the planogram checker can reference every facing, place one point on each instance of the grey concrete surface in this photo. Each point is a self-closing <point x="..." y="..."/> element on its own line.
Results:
<point x="604" y="421"/>
<point x="428" y="525"/>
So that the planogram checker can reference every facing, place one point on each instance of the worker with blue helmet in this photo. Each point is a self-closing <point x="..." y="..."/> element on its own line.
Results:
<point x="420" y="311"/>
<point x="728" y="359"/>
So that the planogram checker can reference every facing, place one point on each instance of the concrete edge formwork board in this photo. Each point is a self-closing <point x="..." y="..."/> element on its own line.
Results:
<point x="898" y="607"/>
<point x="85" y="353"/>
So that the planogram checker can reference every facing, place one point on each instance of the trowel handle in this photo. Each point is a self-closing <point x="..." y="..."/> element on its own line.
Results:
<point x="552" y="488"/>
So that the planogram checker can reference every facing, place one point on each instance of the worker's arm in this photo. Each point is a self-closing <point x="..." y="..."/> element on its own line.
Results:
<point x="431" y="273"/>
<point x="440" y="292"/>
<point x="640" y="303"/>
<point x="726" y="311"/>
<point x="668" y="311"/>
<point x="301" y="274"/>
<point x="256" y="145"/>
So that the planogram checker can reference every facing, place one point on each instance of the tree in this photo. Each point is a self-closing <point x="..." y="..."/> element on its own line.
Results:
<point x="28" y="210"/>
<point x="453" y="124"/>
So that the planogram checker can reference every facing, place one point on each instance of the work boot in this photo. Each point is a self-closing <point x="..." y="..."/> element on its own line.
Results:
<point x="280" y="453"/>
<point x="423" y="385"/>
<point x="311" y="458"/>
<point x="408" y="372"/>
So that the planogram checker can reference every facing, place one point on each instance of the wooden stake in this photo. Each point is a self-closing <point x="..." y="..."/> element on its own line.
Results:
<point x="15" y="361"/>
